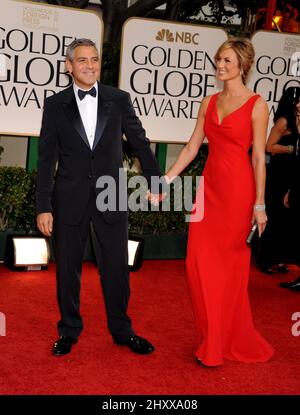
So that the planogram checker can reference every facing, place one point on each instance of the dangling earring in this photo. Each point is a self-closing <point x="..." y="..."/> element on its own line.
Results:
<point x="241" y="72"/>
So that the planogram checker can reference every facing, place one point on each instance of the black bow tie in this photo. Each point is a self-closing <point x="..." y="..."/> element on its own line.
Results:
<point x="91" y="92"/>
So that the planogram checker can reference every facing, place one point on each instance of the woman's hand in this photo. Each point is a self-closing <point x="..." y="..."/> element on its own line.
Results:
<point x="261" y="219"/>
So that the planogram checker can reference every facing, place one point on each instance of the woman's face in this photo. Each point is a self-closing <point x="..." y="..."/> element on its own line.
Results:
<point x="298" y="106"/>
<point x="227" y="65"/>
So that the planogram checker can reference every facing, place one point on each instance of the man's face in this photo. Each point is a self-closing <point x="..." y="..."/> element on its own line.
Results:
<point x="85" y="67"/>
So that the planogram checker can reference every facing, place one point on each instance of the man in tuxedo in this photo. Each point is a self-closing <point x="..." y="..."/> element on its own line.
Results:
<point x="81" y="141"/>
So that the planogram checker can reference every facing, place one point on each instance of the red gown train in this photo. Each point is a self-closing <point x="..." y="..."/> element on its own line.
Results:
<point x="218" y="258"/>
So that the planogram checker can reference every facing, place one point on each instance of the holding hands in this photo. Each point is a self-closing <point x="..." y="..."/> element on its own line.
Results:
<point x="155" y="199"/>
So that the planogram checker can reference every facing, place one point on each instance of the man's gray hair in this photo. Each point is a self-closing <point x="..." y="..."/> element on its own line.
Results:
<point x="76" y="43"/>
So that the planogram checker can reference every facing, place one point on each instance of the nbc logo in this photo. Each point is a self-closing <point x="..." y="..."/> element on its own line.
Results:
<point x="179" y="37"/>
<point x="164" y="34"/>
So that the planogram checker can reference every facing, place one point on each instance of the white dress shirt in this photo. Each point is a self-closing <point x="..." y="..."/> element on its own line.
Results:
<point x="88" y="109"/>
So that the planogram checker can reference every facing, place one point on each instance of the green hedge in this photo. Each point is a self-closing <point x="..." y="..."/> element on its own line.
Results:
<point x="17" y="189"/>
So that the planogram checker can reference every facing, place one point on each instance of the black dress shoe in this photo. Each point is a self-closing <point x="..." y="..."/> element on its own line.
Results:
<point x="136" y="344"/>
<point x="63" y="345"/>
<point x="292" y="285"/>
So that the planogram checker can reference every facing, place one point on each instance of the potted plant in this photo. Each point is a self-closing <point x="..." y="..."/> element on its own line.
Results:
<point x="17" y="213"/>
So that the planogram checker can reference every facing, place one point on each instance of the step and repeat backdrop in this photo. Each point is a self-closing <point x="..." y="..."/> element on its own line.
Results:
<point x="277" y="66"/>
<point x="166" y="67"/>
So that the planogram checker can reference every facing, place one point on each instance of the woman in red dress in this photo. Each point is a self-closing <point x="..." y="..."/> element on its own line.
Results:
<point x="218" y="258"/>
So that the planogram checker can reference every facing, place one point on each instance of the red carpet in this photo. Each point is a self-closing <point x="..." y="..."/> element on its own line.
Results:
<point x="161" y="311"/>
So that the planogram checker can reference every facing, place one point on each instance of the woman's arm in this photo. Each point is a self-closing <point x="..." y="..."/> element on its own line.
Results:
<point x="260" y="117"/>
<point x="277" y="131"/>
<point x="190" y="150"/>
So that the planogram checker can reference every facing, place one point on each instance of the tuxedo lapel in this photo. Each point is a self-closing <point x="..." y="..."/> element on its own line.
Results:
<point x="71" y="109"/>
<point x="104" y="107"/>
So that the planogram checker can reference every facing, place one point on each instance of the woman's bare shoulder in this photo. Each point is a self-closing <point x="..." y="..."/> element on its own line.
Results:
<point x="260" y="103"/>
<point x="206" y="101"/>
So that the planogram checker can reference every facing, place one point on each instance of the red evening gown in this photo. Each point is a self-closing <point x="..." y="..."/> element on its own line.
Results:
<point x="218" y="258"/>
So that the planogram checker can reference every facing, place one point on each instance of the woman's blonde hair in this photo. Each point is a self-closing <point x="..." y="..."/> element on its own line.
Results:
<point x="244" y="51"/>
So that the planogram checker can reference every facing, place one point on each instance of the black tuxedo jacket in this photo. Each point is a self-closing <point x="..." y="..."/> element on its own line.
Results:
<point x="68" y="168"/>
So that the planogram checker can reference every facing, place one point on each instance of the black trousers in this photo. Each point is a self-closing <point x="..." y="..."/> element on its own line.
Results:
<point x="294" y="202"/>
<point x="274" y="246"/>
<point x="110" y="243"/>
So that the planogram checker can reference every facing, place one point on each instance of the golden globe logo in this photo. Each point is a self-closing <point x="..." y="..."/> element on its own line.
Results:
<point x="179" y="37"/>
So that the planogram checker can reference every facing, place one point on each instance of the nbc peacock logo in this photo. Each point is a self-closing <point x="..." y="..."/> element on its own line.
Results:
<point x="177" y="37"/>
<point x="165" y="34"/>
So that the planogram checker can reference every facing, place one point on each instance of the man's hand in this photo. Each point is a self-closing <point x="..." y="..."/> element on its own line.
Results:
<point x="45" y="223"/>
